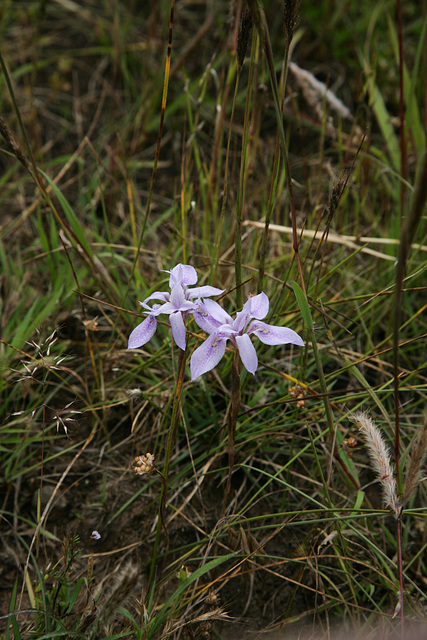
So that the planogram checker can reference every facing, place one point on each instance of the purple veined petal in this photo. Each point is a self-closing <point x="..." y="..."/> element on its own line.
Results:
<point x="217" y="312"/>
<point x="207" y="356"/>
<point x="226" y="331"/>
<point x="182" y="274"/>
<point x="178" y="329"/>
<point x="269" y="334"/>
<point x="158" y="309"/>
<point x="204" y="320"/>
<point x="247" y="353"/>
<point x="204" y="292"/>
<point x="142" y="333"/>
<point x="157" y="295"/>
<point x="177" y="296"/>
<point x="169" y="308"/>
<point x="259" y="306"/>
<point x="242" y="318"/>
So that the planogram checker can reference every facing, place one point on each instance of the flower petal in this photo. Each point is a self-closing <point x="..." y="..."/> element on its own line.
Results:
<point x="247" y="353"/>
<point x="217" y="312"/>
<point x="204" y="292"/>
<point x="269" y="334"/>
<point x="178" y="329"/>
<point x="207" y="356"/>
<point x="177" y="296"/>
<point x="157" y="295"/>
<point x="142" y="333"/>
<point x="204" y="320"/>
<point x="259" y="306"/>
<point x="182" y="274"/>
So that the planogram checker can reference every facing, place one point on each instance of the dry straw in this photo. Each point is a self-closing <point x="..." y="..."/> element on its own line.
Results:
<point x="380" y="458"/>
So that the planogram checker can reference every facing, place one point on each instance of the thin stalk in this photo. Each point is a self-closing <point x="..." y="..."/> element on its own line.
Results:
<point x="159" y="140"/>
<point x="409" y="228"/>
<point x="169" y="449"/>
<point x="275" y="174"/>
<point x="224" y="198"/>
<point x="403" y="149"/>
<point x="242" y="182"/>
<point x="265" y="39"/>
<point x="232" y="420"/>
<point x="400" y="569"/>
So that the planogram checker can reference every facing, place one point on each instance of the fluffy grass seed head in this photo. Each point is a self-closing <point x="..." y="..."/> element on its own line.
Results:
<point x="380" y="458"/>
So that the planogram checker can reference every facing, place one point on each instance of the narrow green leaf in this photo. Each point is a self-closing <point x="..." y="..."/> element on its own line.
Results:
<point x="162" y="615"/>
<point x="303" y="305"/>
<point x="70" y="215"/>
<point x="360" y="496"/>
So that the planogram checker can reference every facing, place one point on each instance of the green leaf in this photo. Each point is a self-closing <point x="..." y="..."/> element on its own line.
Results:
<point x="70" y="215"/>
<point x="303" y="305"/>
<point x="168" y="606"/>
<point x="360" y="496"/>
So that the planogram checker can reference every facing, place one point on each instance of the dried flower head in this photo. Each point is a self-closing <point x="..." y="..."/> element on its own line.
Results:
<point x="245" y="29"/>
<point x="380" y="458"/>
<point x="144" y="464"/>
<point x="65" y="417"/>
<point x="42" y="358"/>
<point x="297" y="393"/>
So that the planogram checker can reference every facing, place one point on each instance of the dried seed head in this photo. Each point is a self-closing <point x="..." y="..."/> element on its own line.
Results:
<point x="290" y="18"/>
<point x="245" y="29"/>
<point x="144" y="464"/>
<point x="298" y="393"/>
<point x="380" y="458"/>
<point x="11" y="145"/>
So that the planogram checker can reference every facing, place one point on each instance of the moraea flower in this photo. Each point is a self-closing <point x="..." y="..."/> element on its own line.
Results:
<point x="177" y="304"/>
<point x="214" y="320"/>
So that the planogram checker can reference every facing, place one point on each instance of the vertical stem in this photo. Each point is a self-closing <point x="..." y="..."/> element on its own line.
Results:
<point x="403" y="150"/>
<point x="400" y="569"/>
<point x="232" y="420"/>
<point x="169" y="448"/>
<point x="242" y="181"/>
<point x="265" y="38"/>
<point x="408" y="231"/>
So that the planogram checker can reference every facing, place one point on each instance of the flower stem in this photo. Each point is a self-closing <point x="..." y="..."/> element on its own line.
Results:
<point x="400" y="569"/>
<point x="232" y="420"/>
<point x="169" y="448"/>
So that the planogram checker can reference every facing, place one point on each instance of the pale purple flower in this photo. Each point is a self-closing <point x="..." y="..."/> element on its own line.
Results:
<point x="177" y="304"/>
<point x="214" y="320"/>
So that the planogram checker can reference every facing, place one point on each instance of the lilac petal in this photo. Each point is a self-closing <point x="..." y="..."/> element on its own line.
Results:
<point x="204" y="292"/>
<point x="204" y="320"/>
<point x="142" y="333"/>
<point x="247" y="353"/>
<point x="269" y="334"/>
<point x="178" y="329"/>
<point x="177" y="296"/>
<point x="159" y="309"/>
<point x="157" y="295"/>
<point x="207" y="356"/>
<point x="217" y="312"/>
<point x="259" y="306"/>
<point x="242" y="318"/>
<point x="182" y="274"/>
